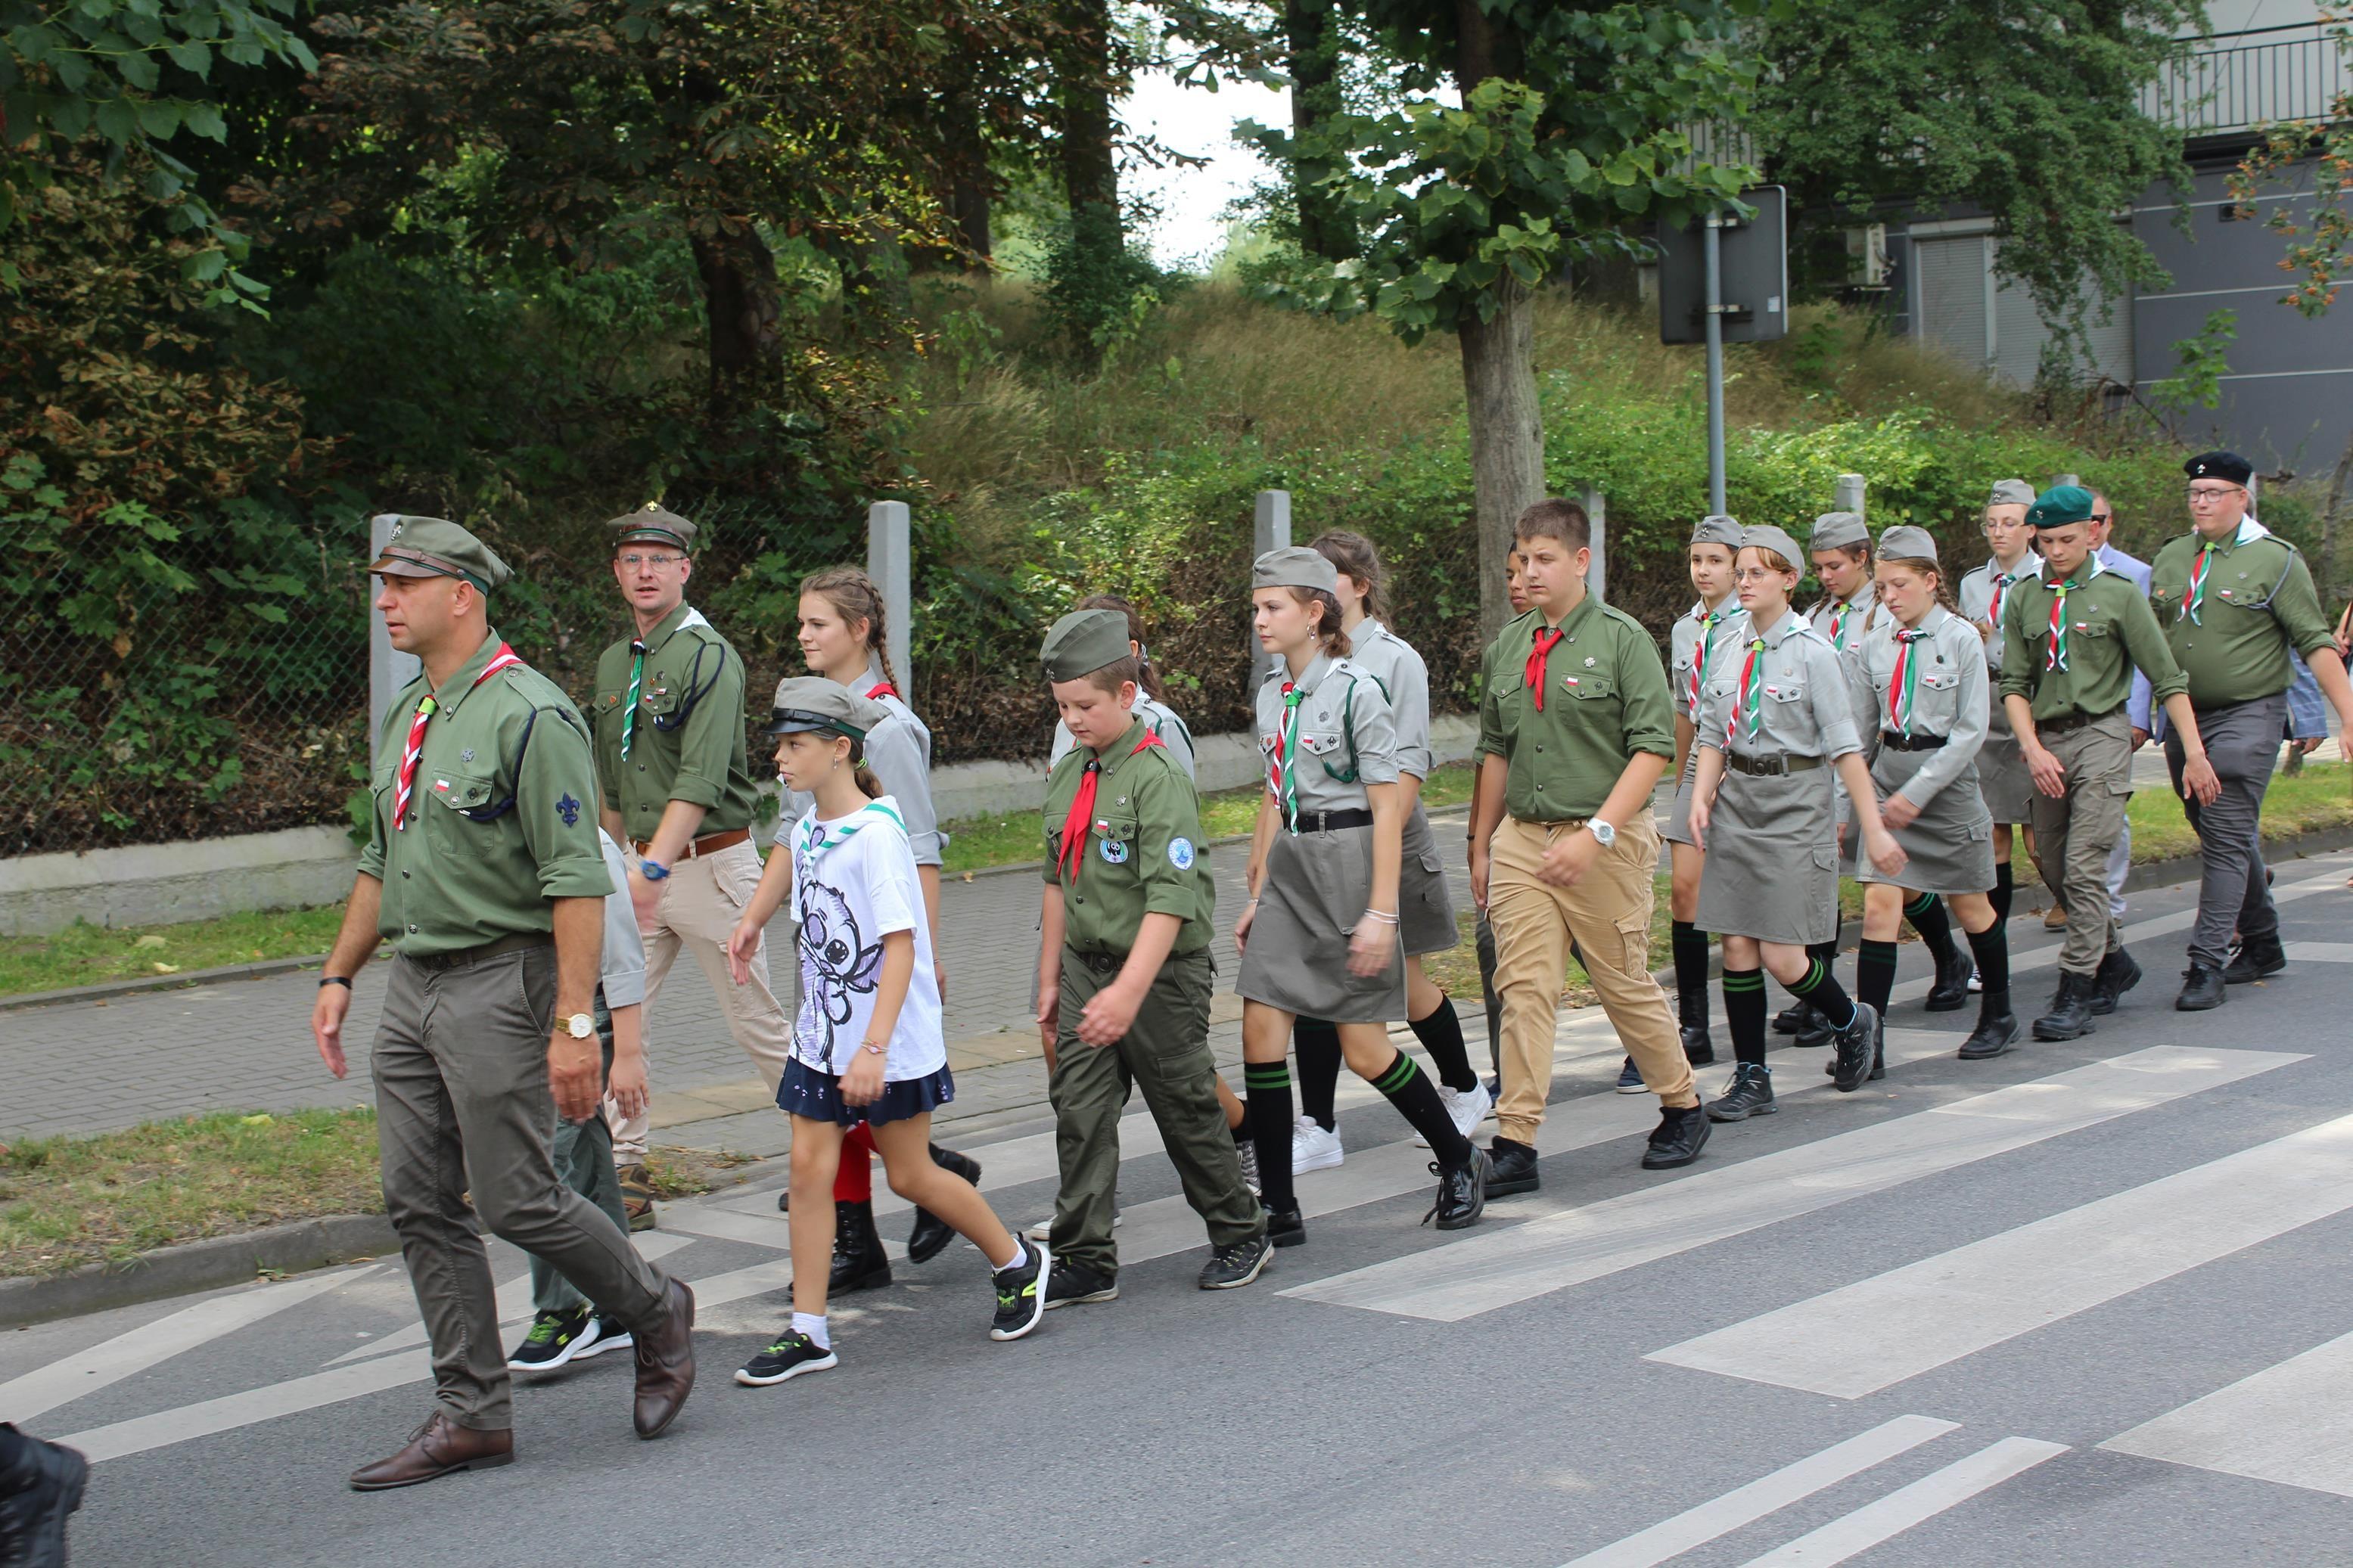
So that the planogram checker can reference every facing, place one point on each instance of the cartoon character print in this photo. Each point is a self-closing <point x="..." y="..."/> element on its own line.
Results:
<point x="836" y="964"/>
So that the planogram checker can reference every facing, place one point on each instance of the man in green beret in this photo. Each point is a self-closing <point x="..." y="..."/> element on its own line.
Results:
<point x="2071" y="640"/>
<point x="482" y="870"/>
<point x="678" y="794"/>
<point x="2237" y="604"/>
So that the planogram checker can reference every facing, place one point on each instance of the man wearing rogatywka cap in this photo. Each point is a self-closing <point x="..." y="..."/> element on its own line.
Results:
<point x="483" y="873"/>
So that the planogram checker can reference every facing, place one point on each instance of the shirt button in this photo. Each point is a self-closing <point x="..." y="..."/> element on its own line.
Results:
<point x="412" y="930"/>
<point x="404" y="876"/>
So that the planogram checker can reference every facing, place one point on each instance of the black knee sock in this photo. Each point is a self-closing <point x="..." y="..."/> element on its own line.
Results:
<point x="1990" y="948"/>
<point x="1927" y="916"/>
<point x="1819" y="988"/>
<point x="1744" y="1013"/>
<point x="1317" y="1044"/>
<point x="1689" y="944"/>
<point x="1874" y="972"/>
<point x="1822" y="952"/>
<point x="1441" y="1035"/>
<point x="2004" y="884"/>
<point x="1410" y="1089"/>
<point x="1242" y="1130"/>
<point x="1266" y="1089"/>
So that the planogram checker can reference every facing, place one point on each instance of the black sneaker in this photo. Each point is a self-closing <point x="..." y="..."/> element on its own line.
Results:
<point x="1750" y="1093"/>
<point x="1511" y="1167"/>
<point x="1231" y="1268"/>
<point x="38" y="1489"/>
<point x="1285" y="1227"/>
<point x="2258" y="958"/>
<point x="1681" y="1134"/>
<point x="553" y="1339"/>
<point x="1021" y="1292"/>
<point x="1072" y="1284"/>
<point x="1629" y="1078"/>
<point x="1858" y="1048"/>
<point x="1462" y="1192"/>
<point x="790" y="1356"/>
<point x="603" y="1335"/>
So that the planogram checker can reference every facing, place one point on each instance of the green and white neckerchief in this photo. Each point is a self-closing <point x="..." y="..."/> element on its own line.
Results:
<point x="814" y="838"/>
<point x="1283" y="777"/>
<point x="1750" y="699"/>
<point x="2055" y="656"/>
<point x="1904" y="683"/>
<point x="638" y="679"/>
<point x="2195" y="599"/>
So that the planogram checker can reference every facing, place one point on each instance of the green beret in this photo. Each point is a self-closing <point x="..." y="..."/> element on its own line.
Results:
<point x="1839" y="531"/>
<point x="436" y="547"/>
<point x="655" y="522"/>
<point x="1907" y="543"/>
<point x="1764" y="536"/>
<point x="1717" y="529"/>
<point x="813" y="702"/>
<point x="2012" y="492"/>
<point x="1084" y="642"/>
<point x="2059" y="506"/>
<point x="1294" y="567"/>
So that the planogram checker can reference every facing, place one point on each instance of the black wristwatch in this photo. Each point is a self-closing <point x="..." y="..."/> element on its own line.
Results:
<point x="343" y="980"/>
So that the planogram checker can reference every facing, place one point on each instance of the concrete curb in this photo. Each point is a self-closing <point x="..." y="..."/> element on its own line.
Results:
<point x="205" y="1264"/>
<point x="106" y="989"/>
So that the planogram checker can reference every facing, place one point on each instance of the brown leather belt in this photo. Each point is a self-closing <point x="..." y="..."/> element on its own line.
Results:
<point x="1773" y="766"/>
<point x="709" y="843"/>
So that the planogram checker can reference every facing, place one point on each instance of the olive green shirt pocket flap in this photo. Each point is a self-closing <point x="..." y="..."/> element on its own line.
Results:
<point x="1588" y="683"/>
<point x="464" y="792"/>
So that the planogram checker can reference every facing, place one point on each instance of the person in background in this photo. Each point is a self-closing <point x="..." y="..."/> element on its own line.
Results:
<point x="1515" y="589"/>
<point x="2002" y="778"/>
<point x="2136" y="707"/>
<point x="41" y="1486"/>
<point x="2308" y="718"/>
<point x="1696" y="648"/>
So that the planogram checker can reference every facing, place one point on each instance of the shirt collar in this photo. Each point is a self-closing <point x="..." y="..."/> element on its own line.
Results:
<point x="1110" y="758"/>
<point x="2093" y="567"/>
<point x="1936" y="617"/>
<point x="1369" y="632"/>
<point x="2031" y="566"/>
<point x="1782" y="628"/>
<point x="452" y="691"/>
<point x="685" y="615"/>
<point x="1309" y="679"/>
<point x="1727" y="609"/>
<point x="1571" y="622"/>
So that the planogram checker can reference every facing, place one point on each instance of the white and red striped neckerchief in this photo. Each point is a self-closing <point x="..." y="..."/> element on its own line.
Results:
<point x="405" y="785"/>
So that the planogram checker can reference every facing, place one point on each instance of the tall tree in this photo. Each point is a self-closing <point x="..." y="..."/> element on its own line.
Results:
<point x="1311" y="35"/>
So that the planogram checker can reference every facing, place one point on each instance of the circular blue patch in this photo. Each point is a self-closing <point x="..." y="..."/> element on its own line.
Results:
<point x="1115" y="852"/>
<point x="1180" y="854"/>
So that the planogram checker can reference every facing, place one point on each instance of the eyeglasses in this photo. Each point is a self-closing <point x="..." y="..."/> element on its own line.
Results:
<point x="1755" y="573"/>
<point x="2214" y="497"/>
<point x="658" y="563"/>
<point x="2100" y="517"/>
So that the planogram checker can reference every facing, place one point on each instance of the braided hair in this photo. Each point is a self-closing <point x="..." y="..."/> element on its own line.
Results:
<point x="853" y="592"/>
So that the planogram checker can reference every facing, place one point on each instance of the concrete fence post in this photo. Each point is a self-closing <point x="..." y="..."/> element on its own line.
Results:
<point x="1597" y="576"/>
<point x="388" y="670"/>
<point x="890" y="560"/>
<point x="1847" y="494"/>
<point x="1270" y="529"/>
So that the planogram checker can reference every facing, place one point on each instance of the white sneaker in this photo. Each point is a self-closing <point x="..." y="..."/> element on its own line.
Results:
<point x="1976" y="981"/>
<point x="1468" y="1106"/>
<point x="1044" y="1229"/>
<point x="1312" y="1149"/>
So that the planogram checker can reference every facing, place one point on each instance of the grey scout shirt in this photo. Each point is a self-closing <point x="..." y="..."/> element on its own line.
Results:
<point x="1948" y="695"/>
<point x="1843" y="623"/>
<point x="1158" y="718"/>
<point x="1684" y="646"/>
<point x="899" y="755"/>
<point x="1977" y="595"/>
<point x="1807" y="708"/>
<point x="1337" y="700"/>
<point x="1405" y="681"/>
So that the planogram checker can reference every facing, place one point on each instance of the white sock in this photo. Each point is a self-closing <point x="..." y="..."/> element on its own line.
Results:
<point x="1020" y="1256"/>
<point x="813" y="1325"/>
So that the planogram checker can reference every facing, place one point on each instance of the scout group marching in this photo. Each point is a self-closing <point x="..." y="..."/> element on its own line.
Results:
<point x="538" y="874"/>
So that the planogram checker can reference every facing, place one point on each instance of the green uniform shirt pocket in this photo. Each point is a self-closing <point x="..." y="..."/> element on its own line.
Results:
<point x="457" y="796"/>
<point x="1116" y="840"/>
<point x="1588" y="684"/>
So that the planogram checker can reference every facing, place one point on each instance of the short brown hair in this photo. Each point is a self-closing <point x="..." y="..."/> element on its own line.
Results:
<point x="1117" y="674"/>
<point x="1555" y="517"/>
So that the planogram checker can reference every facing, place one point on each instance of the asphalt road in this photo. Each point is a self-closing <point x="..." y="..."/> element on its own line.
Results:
<point x="2089" y="1303"/>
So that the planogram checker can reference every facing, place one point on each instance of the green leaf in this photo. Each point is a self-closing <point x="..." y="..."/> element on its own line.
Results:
<point x="192" y="56"/>
<point x="33" y="43"/>
<point x="117" y="120"/>
<point x="204" y="120"/>
<point x="140" y="70"/>
<point x="159" y="118"/>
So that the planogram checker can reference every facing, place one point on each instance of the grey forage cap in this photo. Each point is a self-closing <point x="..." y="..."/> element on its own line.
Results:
<point x="1717" y="529"/>
<point x="1839" y="531"/>
<point x="1294" y="566"/>
<point x="1764" y="536"/>
<point x="1907" y="543"/>
<point x="2010" y="492"/>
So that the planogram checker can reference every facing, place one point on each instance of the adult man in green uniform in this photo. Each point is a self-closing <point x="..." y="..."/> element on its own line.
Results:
<point x="1124" y="979"/>
<point x="677" y="792"/>
<point x="2235" y="600"/>
<point x="2071" y="640"/>
<point x="483" y="873"/>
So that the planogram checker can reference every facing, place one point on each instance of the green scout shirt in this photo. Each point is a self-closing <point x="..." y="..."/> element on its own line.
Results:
<point x="501" y="819"/>
<point x="2259" y="601"/>
<point x="1607" y="700"/>
<point x="687" y="742"/>
<point x="2109" y="630"/>
<point x="1143" y="854"/>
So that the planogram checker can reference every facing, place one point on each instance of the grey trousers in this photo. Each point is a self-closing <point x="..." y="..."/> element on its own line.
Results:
<point x="2074" y="832"/>
<point x="2242" y="742"/>
<point x="584" y="1162"/>
<point x="462" y="1103"/>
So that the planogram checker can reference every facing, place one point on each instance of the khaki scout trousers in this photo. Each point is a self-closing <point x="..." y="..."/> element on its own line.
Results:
<point x="462" y="1103"/>
<point x="1608" y="915"/>
<point x="2074" y="832"/>
<point x="1166" y="1055"/>
<point x="701" y="899"/>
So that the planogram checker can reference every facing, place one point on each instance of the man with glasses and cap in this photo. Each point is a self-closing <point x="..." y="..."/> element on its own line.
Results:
<point x="2002" y="778"/>
<point x="482" y="870"/>
<point x="677" y="792"/>
<point x="2237" y="604"/>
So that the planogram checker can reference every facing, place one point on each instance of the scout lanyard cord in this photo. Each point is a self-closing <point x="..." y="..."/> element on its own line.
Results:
<point x="2055" y="657"/>
<point x="1906" y="681"/>
<point x="665" y="723"/>
<point x="1750" y="698"/>
<point x="405" y="783"/>
<point x="1348" y="729"/>
<point x="1069" y="856"/>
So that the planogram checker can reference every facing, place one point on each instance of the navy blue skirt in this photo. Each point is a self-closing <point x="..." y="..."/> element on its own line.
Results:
<point x="817" y="1096"/>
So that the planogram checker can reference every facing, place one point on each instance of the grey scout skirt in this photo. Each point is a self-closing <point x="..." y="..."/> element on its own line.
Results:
<point x="1678" y="827"/>
<point x="1772" y="858"/>
<point x="1950" y="842"/>
<point x="2007" y="788"/>
<point x="1425" y="903"/>
<point x="1317" y="886"/>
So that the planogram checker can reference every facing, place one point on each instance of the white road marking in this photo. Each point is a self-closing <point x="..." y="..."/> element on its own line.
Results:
<point x="1860" y="1339"/>
<point x="1902" y="1508"/>
<point x="514" y="1300"/>
<point x="2292" y="1422"/>
<point x="230" y="1411"/>
<point x="2320" y="952"/>
<point x="1499" y="1266"/>
<point x="1744" y="1506"/>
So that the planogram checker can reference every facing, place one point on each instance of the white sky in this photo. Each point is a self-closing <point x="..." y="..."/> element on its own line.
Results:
<point x="1195" y="121"/>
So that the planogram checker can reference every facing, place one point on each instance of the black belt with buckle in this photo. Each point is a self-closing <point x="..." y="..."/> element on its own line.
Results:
<point x="1331" y="821"/>
<point x="1101" y="963"/>
<point x="518" y="941"/>
<point x="1896" y="742"/>
<point x="2062" y="724"/>
<point x="1774" y="766"/>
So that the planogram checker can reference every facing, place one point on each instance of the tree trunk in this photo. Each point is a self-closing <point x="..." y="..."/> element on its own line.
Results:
<point x="1090" y="168"/>
<point x="1507" y="470"/>
<point x="741" y="304"/>
<point x="969" y="190"/>
<point x="1311" y="31"/>
<point x="1485" y="46"/>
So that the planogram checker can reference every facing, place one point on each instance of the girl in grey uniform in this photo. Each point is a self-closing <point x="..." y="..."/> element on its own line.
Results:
<point x="1923" y="678"/>
<point x="1697" y="650"/>
<point x="1150" y="693"/>
<point x="2002" y="778"/>
<point x="1774" y="721"/>
<point x="1319" y="936"/>
<point x="1425" y="906"/>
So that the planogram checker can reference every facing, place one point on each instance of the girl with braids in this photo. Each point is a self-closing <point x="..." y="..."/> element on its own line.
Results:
<point x="1425" y="908"/>
<point x="843" y="638"/>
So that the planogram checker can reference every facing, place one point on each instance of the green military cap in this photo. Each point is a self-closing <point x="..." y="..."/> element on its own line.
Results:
<point x="436" y="547"/>
<point x="1839" y="531"/>
<point x="1295" y="566"/>
<point x="1084" y="642"/>
<point x="813" y="702"/>
<point x="2010" y="492"/>
<point x="1716" y="529"/>
<point x="653" y="521"/>
<point x="2059" y="506"/>
<point x="1906" y="542"/>
<point x="1764" y="536"/>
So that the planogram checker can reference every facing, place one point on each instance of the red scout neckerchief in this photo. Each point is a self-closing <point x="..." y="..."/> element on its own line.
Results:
<point x="1533" y="676"/>
<point x="1082" y="811"/>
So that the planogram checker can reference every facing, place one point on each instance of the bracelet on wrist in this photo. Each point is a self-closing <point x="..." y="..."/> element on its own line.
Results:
<point x="343" y="980"/>
<point x="875" y="1047"/>
<point x="1381" y="915"/>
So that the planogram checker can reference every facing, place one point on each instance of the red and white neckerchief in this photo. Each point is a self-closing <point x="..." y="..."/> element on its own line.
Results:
<point x="1838" y="623"/>
<point x="1533" y="676"/>
<point x="1708" y="621"/>
<point x="1080" y="819"/>
<point x="2002" y="582"/>
<point x="405" y="786"/>
<point x="1749" y="698"/>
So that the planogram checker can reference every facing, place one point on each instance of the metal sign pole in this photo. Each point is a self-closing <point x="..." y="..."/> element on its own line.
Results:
<point x="1713" y="243"/>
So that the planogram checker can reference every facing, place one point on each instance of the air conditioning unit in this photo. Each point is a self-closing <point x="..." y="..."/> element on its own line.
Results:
<point x="1866" y="256"/>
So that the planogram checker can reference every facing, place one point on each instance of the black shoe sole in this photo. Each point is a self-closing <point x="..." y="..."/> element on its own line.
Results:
<point x="2001" y="1047"/>
<point x="1768" y="1109"/>
<point x="2182" y="1004"/>
<point x="1948" y="1001"/>
<point x="1512" y="1186"/>
<point x="2263" y="971"/>
<point x="1265" y="1256"/>
<point x="1108" y="1293"/>
<point x="2043" y="1031"/>
<point x="1651" y="1161"/>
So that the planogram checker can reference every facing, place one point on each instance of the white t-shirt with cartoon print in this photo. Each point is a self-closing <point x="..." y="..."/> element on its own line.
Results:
<point x="853" y="883"/>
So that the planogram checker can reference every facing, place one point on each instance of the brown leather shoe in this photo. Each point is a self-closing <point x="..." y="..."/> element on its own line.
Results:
<point x="435" y="1449"/>
<point x="665" y="1361"/>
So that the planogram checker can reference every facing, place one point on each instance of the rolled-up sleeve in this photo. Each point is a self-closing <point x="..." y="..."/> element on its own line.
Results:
<point x="1374" y="728"/>
<point x="1647" y="707"/>
<point x="1409" y="703"/>
<point x="1832" y="702"/>
<point x="556" y="779"/>
<point x="896" y="758"/>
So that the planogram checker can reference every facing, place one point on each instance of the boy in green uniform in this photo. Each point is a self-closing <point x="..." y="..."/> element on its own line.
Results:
<point x="2234" y="600"/>
<point x="1124" y="980"/>
<point x="2071" y="640"/>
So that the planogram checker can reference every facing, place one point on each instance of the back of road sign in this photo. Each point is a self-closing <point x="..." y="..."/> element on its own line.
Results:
<point x="1755" y="275"/>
